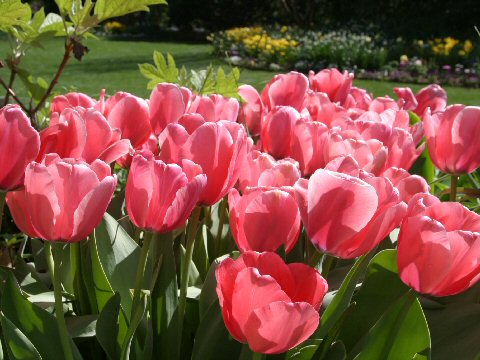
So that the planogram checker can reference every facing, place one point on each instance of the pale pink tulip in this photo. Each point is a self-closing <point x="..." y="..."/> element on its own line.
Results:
<point x="251" y="112"/>
<point x="285" y="90"/>
<point x="277" y="131"/>
<point x="331" y="82"/>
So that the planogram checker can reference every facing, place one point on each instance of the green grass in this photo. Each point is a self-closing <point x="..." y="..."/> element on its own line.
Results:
<point x="113" y="65"/>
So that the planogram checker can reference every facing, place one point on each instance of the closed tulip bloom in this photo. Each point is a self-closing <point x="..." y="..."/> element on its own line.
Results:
<point x="251" y="112"/>
<point x="263" y="219"/>
<point x="408" y="185"/>
<point x="215" y="107"/>
<point x="63" y="199"/>
<point x="161" y="197"/>
<point x="346" y="216"/>
<point x="268" y="304"/>
<point x="452" y="137"/>
<point x="129" y="114"/>
<point x="277" y="131"/>
<point x="220" y="149"/>
<point x="85" y="135"/>
<point x="439" y="247"/>
<point x="19" y="145"/>
<point x="285" y="90"/>
<point x="331" y="82"/>
<point x="70" y="101"/>
<point x="168" y="102"/>
<point x="433" y="97"/>
<point x="381" y="104"/>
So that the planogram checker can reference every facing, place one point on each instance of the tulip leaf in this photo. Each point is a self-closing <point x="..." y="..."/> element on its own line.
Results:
<point x="341" y="300"/>
<point x="108" y="327"/>
<point x="381" y="307"/>
<point x="28" y="278"/>
<point x="455" y="330"/>
<point x="137" y="316"/>
<point x="35" y="323"/>
<point x="82" y="326"/>
<point x="18" y="345"/>
<point x="212" y="340"/>
<point x="164" y="300"/>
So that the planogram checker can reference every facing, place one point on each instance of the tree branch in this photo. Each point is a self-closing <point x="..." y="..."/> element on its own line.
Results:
<point x="12" y="94"/>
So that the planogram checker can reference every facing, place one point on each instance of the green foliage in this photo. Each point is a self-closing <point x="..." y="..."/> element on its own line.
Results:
<point x="106" y="9"/>
<point x="204" y="82"/>
<point x="14" y="13"/>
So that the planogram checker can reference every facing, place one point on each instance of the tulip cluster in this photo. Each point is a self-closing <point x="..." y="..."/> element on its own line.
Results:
<point x="322" y="156"/>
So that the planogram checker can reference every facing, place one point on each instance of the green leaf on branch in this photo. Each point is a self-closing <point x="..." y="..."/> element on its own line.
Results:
<point x="165" y="70"/>
<point x="14" y="13"/>
<point x="106" y="9"/>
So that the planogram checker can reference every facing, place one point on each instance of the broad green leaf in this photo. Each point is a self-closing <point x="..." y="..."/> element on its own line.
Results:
<point x="36" y="86"/>
<point x="164" y="300"/>
<point x="64" y="5"/>
<point x="106" y="9"/>
<point x="14" y="13"/>
<point x="28" y="278"/>
<point x="108" y="327"/>
<point x="304" y="351"/>
<point x="82" y="326"/>
<point x="18" y="345"/>
<point x="400" y="333"/>
<point x="455" y="330"/>
<point x="414" y="118"/>
<point x="137" y="317"/>
<point x="80" y="15"/>
<point x="36" y="323"/>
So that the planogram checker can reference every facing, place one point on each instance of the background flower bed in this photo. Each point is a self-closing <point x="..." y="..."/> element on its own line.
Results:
<point x="368" y="54"/>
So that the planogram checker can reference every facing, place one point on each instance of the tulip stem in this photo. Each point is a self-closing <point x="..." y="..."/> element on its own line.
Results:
<point x="192" y="230"/>
<point x="54" y="264"/>
<point x="453" y="187"/>
<point x="3" y="195"/>
<point x="142" y="261"/>
<point x="218" y="240"/>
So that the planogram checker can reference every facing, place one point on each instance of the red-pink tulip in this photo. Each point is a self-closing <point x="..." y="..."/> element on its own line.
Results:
<point x="433" y="97"/>
<point x="452" y="137"/>
<point x="263" y="219"/>
<point x="168" y="102"/>
<point x="63" y="199"/>
<point x="269" y="305"/>
<point x="84" y="135"/>
<point x="360" y="99"/>
<point x="19" y="144"/>
<point x="321" y="109"/>
<point x="161" y="197"/>
<point x="277" y="131"/>
<point x="251" y="112"/>
<point x="439" y="247"/>
<point x="261" y="169"/>
<point x="130" y="114"/>
<point x="285" y="90"/>
<point x="219" y="148"/>
<point x="215" y="107"/>
<point x="381" y="104"/>
<point x="331" y="82"/>
<point x="405" y="94"/>
<point x="361" y="213"/>
<point x="70" y="101"/>
<point x="407" y="184"/>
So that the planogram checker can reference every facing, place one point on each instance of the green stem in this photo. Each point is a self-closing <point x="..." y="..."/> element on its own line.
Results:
<point x="141" y="270"/>
<point x="54" y="266"/>
<point x="327" y="264"/>
<point x="186" y="265"/>
<point x="218" y="239"/>
<point x="453" y="187"/>
<point x="257" y="356"/>
<point x="2" y="206"/>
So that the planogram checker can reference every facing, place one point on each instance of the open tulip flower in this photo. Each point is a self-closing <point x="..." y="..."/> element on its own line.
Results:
<point x="439" y="247"/>
<point x="161" y="197"/>
<point x="263" y="219"/>
<point x="268" y="304"/>
<point x="19" y="145"/>
<point x="346" y="216"/>
<point x="63" y="199"/>
<point x="452" y="137"/>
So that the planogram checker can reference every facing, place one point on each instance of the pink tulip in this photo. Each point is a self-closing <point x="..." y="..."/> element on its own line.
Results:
<point x="407" y="185"/>
<point x="285" y="90"/>
<point x="63" y="199"/>
<point x="360" y="99"/>
<point x="151" y="145"/>
<point x="452" y="137"/>
<point x="168" y="102"/>
<point x="215" y="107"/>
<point x="251" y="112"/>
<point x="84" y="135"/>
<point x="161" y="197"/>
<point x="219" y="148"/>
<point x="321" y="109"/>
<point x="269" y="305"/>
<point x="19" y="144"/>
<point x="308" y="145"/>
<point x="361" y="213"/>
<point x="263" y="219"/>
<point x="261" y="169"/>
<point x="433" y="97"/>
<point x="381" y="104"/>
<point x="278" y="129"/>
<point x="331" y="82"/>
<point x="405" y="94"/>
<point x="439" y="247"/>
<point x="70" y="101"/>
<point x="130" y="114"/>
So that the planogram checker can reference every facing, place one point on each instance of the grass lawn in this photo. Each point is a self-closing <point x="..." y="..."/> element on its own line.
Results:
<point x="113" y="65"/>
